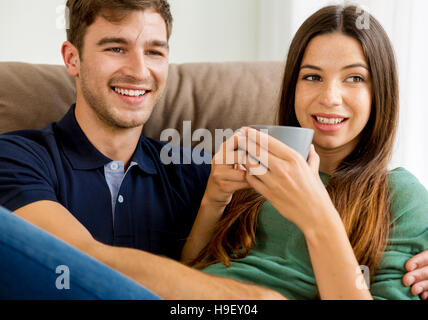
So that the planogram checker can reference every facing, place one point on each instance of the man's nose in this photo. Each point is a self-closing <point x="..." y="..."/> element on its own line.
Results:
<point x="331" y="95"/>
<point x="137" y="66"/>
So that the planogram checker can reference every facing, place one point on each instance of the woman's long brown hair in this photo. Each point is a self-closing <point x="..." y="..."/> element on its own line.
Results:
<point x="359" y="186"/>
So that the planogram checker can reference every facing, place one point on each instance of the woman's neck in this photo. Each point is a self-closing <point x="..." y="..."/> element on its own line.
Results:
<point x="330" y="158"/>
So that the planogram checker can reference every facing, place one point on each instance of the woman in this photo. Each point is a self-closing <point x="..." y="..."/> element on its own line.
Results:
<point x="304" y="233"/>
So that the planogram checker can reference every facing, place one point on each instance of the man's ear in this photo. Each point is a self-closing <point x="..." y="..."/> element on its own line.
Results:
<point x="71" y="58"/>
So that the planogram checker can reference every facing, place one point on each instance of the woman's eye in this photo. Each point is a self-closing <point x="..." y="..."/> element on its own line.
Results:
<point x="312" y="77"/>
<point x="355" y="79"/>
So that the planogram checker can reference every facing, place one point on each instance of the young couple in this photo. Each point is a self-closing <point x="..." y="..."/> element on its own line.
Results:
<point x="300" y="231"/>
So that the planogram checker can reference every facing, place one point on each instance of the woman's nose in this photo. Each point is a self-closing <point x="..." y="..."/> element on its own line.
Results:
<point x="331" y="95"/>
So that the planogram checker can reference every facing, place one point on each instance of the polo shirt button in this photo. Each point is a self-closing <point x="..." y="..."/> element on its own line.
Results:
<point x="114" y="166"/>
<point x="120" y="199"/>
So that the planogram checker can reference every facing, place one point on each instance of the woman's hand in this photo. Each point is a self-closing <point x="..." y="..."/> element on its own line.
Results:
<point x="294" y="188"/>
<point x="227" y="176"/>
<point x="417" y="275"/>
<point x="291" y="184"/>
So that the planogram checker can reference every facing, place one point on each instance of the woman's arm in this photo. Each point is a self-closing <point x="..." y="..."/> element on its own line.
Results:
<point x="336" y="269"/>
<point x="226" y="177"/>
<point x="294" y="188"/>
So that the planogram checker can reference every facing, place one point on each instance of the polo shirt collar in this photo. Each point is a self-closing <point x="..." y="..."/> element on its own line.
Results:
<point x="84" y="156"/>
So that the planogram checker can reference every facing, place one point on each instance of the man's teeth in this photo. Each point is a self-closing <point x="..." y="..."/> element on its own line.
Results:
<point x="130" y="93"/>
<point x="330" y="120"/>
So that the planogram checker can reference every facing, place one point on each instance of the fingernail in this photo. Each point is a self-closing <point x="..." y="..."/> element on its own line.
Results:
<point x="412" y="266"/>
<point x="410" y="281"/>
<point x="418" y="290"/>
<point x="241" y="167"/>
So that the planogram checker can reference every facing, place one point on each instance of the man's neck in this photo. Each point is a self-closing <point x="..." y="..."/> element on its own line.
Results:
<point x="115" y="143"/>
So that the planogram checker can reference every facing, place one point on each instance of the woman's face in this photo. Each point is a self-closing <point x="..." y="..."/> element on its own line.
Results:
<point x="333" y="92"/>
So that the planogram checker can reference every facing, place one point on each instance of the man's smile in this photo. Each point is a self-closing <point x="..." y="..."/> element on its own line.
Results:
<point x="131" y="94"/>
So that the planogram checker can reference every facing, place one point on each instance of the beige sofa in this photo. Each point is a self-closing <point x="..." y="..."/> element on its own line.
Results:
<point x="210" y="95"/>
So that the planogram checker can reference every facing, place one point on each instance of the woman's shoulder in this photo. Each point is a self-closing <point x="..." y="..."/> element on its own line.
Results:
<point x="408" y="195"/>
<point x="401" y="175"/>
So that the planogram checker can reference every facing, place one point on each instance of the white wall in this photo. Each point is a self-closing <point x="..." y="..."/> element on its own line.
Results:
<point x="28" y="31"/>
<point x="214" y="30"/>
<point x="204" y="30"/>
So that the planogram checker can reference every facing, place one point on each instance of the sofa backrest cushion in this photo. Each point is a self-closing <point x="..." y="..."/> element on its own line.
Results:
<point x="210" y="95"/>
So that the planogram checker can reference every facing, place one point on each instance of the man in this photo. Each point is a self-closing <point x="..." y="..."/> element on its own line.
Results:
<point x="93" y="171"/>
<point x="65" y="178"/>
<point x="94" y="163"/>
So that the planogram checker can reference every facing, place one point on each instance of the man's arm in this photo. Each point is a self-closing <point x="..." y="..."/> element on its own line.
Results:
<point x="164" y="277"/>
<point x="417" y="275"/>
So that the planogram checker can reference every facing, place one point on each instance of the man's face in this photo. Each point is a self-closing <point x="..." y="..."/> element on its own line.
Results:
<point x="124" y="67"/>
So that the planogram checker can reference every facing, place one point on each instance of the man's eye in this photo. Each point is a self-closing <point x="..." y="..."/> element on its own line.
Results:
<point x="155" y="53"/>
<point x="355" y="79"/>
<point x="116" y="50"/>
<point x="312" y="77"/>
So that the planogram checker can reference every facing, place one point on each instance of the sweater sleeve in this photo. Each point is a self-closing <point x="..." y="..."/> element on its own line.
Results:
<point x="408" y="235"/>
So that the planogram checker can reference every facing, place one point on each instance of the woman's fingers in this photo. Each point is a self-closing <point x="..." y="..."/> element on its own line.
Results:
<point x="313" y="160"/>
<point x="230" y="174"/>
<point x="228" y="152"/>
<point x="260" y="144"/>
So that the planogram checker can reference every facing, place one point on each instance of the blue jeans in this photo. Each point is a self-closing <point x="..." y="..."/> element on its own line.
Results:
<point x="37" y="265"/>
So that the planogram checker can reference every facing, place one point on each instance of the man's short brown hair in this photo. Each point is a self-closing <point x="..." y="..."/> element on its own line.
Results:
<point x="81" y="14"/>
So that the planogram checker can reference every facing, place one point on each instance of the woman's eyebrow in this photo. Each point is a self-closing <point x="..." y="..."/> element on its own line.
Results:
<point x="310" y="66"/>
<point x="354" y="65"/>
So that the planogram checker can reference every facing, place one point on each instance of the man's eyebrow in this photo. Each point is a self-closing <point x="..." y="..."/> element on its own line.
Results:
<point x="159" y="43"/>
<point x="354" y="65"/>
<point x="119" y="40"/>
<point x="111" y="40"/>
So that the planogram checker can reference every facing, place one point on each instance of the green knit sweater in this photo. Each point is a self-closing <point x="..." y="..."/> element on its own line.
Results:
<point x="280" y="259"/>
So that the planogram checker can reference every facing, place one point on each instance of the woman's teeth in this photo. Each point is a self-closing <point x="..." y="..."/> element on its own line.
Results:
<point x="330" y="120"/>
<point x="130" y="93"/>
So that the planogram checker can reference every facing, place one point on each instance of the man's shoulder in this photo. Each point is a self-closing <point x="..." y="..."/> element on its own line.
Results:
<point x="33" y="141"/>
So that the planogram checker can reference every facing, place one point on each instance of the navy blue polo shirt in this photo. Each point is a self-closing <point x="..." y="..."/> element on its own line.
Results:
<point x="158" y="202"/>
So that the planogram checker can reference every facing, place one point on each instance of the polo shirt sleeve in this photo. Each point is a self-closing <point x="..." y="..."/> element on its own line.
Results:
<point x="195" y="177"/>
<point x="26" y="172"/>
<point x="408" y="235"/>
